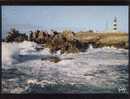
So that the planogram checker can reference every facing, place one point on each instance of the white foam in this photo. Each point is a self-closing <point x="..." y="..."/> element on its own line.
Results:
<point x="72" y="67"/>
<point x="27" y="47"/>
<point x="90" y="47"/>
<point x="27" y="44"/>
<point x="45" y="51"/>
<point x="10" y="52"/>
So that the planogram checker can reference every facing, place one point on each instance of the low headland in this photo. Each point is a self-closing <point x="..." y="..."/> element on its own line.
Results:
<point x="69" y="41"/>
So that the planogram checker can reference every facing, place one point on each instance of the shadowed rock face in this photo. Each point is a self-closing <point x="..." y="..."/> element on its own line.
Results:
<point x="39" y="37"/>
<point x="14" y="35"/>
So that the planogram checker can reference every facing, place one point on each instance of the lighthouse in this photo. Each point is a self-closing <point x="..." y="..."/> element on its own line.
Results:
<point x="115" y="24"/>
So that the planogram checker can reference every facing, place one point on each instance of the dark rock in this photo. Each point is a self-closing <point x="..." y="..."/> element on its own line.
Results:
<point x="55" y="59"/>
<point x="15" y="36"/>
<point x="52" y="59"/>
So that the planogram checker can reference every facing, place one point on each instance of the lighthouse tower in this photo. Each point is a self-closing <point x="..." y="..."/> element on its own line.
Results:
<point x="115" y="25"/>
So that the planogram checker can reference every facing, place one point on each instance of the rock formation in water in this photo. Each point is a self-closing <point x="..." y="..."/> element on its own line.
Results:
<point x="65" y="41"/>
<point x="14" y="35"/>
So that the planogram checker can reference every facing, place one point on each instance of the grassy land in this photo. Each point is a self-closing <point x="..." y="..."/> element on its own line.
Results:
<point x="119" y="40"/>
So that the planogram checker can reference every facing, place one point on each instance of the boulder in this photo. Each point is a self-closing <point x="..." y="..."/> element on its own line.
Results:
<point x="14" y="35"/>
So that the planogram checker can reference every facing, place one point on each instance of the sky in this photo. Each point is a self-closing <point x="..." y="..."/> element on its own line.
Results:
<point x="75" y="18"/>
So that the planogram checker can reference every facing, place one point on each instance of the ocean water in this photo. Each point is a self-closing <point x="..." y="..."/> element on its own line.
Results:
<point x="98" y="70"/>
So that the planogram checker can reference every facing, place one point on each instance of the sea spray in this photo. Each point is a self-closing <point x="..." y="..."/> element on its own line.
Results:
<point x="27" y="47"/>
<point x="10" y="53"/>
<point x="90" y="46"/>
<point x="100" y="67"/>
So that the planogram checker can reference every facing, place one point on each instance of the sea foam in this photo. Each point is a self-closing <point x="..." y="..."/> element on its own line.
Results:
<point x="10" y="53"/>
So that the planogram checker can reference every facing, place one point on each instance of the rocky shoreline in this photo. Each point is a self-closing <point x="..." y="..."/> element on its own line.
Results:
<point x="68" y="41"/>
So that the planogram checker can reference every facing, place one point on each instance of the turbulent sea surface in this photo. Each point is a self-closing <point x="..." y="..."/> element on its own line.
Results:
<point x="98" y="70"/>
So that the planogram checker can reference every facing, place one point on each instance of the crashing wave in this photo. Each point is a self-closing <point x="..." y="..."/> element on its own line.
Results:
<point x="10" y="53"/>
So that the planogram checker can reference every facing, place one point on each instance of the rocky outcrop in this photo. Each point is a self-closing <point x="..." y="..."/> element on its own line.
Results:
<point x="69" y="35"/>
<point x="39" y="37"/>
<point x="65" y="41"/>
<point x="14" y="35"/>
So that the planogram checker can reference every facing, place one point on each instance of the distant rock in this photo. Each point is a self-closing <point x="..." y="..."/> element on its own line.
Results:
<point x="15" y="36"/>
